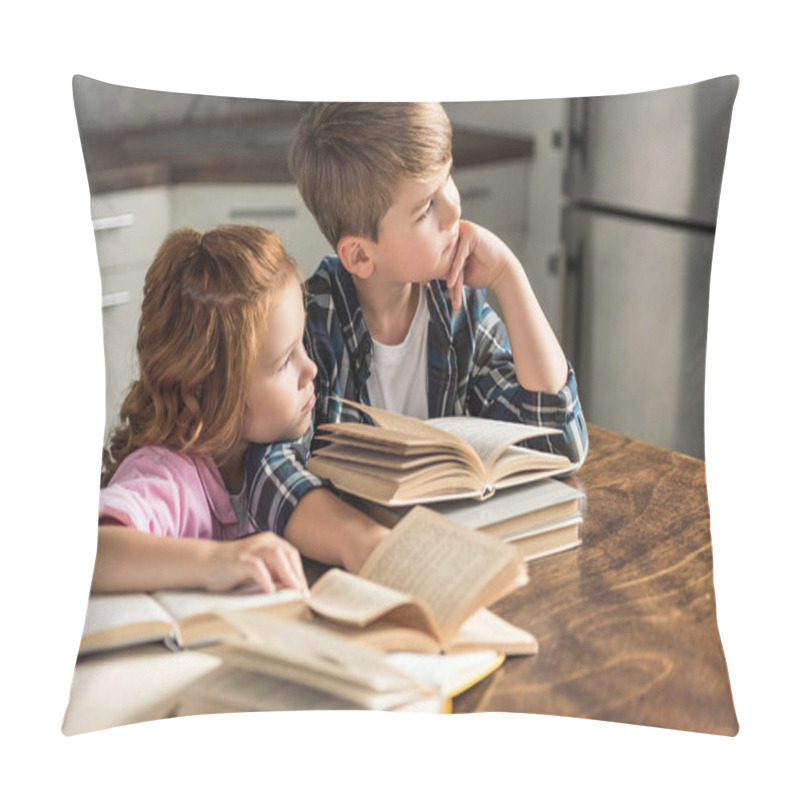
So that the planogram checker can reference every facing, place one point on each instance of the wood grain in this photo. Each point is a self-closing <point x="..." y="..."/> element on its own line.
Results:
<point x="626" y="623"/>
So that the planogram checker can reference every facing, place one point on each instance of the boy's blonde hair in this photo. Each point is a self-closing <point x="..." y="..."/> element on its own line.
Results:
<point x="206" y="299"/>
<point x="348" y="160"/>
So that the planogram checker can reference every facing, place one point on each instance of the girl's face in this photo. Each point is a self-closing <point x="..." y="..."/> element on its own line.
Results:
<point x="281" y="395"/>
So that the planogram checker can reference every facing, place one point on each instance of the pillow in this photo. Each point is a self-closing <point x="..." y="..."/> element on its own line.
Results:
<point x="610" y="203"/>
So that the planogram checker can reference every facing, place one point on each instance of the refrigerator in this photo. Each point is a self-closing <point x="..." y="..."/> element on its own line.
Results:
<point x="642" y="180"/>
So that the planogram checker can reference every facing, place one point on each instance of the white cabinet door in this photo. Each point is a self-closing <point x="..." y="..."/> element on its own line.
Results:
<point x="129" y="227"/>
<point x="122" y="302"/>
<point x="496" y="197"/>
<point x="277" y="207"/>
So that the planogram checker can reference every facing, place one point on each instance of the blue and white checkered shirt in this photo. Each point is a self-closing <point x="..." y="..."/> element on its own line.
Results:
<point x="470" y="372"/>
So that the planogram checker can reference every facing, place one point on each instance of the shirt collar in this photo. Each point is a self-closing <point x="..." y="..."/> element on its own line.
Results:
<point x="354" y="329"/>
<point x="219" y="501"/>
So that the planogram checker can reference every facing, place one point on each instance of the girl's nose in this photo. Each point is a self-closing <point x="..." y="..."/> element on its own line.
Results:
<point x="309" y="371"/>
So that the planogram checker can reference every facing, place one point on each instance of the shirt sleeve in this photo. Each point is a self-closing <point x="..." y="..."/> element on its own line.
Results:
<point x="277" y="479"/>
<point x="495" y="392"/>
<point x="150" y="500"/>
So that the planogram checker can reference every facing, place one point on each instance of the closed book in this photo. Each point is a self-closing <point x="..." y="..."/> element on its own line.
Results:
<point x="538" y="519"/>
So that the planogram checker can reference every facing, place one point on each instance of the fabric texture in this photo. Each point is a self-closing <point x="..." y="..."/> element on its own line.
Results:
<point x="159" y="491"/>
<point x="398" y="374"/>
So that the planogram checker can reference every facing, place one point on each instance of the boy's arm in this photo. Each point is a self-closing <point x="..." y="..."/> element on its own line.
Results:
<point x="327" y="529"/>
<point x="502" y="376"/>
<point x="483" y="261"/>
<point x="288" y="499"/>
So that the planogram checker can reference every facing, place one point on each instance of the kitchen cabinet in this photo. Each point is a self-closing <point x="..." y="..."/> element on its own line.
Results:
<point x="278" y="207"/>
<point x="496" y="197"/>
<point x="129" y="227"/>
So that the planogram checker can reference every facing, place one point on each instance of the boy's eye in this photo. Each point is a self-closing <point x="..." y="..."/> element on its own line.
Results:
<point x="427" y="210"/>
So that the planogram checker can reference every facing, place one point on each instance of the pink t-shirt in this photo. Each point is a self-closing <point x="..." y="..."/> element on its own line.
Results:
<point x="166" y="493"/>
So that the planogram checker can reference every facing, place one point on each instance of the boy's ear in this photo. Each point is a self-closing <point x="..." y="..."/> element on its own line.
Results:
<point x="354" y="257"/>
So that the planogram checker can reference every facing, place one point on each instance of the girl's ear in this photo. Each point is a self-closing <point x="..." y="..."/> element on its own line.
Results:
<point x="354" y="257"/>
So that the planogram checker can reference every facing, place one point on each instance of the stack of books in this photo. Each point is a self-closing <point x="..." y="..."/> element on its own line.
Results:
<point x="470" y="469"/>
<point x="538" y="519"/>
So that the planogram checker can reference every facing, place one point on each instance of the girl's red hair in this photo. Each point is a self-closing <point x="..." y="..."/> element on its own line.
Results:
<point x="206" y="299"/>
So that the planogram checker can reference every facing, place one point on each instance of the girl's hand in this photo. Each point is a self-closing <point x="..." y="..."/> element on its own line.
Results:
<point x="264" y="559"/>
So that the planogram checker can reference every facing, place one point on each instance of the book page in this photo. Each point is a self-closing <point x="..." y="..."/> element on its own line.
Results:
<point x="409" y="426"/>
<point x="358" y="457"/>
<point x="230" y="689"/>
<point x="488" y="437"/>
<point x="450" y="675"/>
<point x="126" y="687"/>
<point x="351" y="599"/>
<point x="181" y="604"/>
<point x="121" y="620"/>
<point x="395" y="487"/>
<point x="444" y="565"/>
<point x="485" y="629"/>
<point x="308" y="654"/>
<point x="106" y="611"/>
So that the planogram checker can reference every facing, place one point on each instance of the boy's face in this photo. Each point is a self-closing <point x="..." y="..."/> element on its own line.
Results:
<point x="281" y="394"/>
<point x="418" y="234"/>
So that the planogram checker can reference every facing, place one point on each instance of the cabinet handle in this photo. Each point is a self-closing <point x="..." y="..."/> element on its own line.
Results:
<point x="114" y="222"/>
<point x="475" y="193"/>
<point x="115" y="299"/>
<point x="242" y="213"/>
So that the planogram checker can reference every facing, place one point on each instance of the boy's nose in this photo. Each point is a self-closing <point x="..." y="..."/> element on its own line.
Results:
<point x="453" y="199"/>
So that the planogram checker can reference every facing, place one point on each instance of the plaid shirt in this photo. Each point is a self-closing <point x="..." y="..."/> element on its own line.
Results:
<point x="470" y="372"/>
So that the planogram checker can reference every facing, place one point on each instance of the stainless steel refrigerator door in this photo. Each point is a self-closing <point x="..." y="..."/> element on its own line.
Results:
<point x="657" y="153"/>
<point x="637" y="317"/>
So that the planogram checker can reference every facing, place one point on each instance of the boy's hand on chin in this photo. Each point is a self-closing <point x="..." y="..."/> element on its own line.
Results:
<point x="481" y="260"/>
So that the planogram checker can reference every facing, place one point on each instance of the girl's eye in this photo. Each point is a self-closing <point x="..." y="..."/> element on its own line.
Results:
<point x="427" y="211"/>
<point x="286" y="363"/>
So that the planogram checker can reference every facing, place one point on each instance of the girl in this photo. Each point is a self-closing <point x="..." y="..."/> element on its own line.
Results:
<point x="221" y="365"/>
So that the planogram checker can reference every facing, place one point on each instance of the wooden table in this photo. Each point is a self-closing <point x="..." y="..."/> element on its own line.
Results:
<point x="626" y="623"/>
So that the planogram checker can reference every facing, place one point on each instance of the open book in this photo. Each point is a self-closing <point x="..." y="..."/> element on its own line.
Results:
<point x="229" y="689"/>
<point x="178" y="619"/>
<point x="313" y="660"/>
<point x="319" y="659"/>
<point x="424" y="588"/>
<point x="403" y="461"/>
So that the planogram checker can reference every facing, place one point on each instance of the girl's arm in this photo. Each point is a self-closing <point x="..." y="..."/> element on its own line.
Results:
<point x="131" y="561"/>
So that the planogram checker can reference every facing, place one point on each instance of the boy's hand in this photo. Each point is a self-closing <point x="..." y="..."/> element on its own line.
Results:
<point x="263" y="558"/>
<point x="481" y="260"/>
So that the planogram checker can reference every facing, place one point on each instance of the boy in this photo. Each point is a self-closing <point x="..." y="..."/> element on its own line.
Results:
<point x="398" y="318"/>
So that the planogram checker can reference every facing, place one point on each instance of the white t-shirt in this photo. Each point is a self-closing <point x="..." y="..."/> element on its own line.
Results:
<point x="398" y="378"/>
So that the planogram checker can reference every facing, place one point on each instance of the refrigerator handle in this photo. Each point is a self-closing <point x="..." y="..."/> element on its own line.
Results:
<point x="573" y="300"/>
<point x="578" y="133"/>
